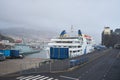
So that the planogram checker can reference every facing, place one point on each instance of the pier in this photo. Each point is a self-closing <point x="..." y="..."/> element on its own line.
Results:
<point x="100" y="63"/>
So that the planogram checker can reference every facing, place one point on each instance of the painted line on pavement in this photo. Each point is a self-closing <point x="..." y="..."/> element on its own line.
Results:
<point x="69" y="77"/>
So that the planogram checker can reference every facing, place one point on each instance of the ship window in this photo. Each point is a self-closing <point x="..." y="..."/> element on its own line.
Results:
<point x="77" y="41"/>
<point x="58" y="41"/>
<point x="68" y="41"/>
<point x="59" y="46"/>
<point x="63" y="41"/>
<point x="79" y="46"/>
<point x="74" y="51"/>
<point x="73" y="46"/>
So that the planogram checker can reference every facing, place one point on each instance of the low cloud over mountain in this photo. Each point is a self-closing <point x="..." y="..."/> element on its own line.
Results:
<point x="28" y="33"/>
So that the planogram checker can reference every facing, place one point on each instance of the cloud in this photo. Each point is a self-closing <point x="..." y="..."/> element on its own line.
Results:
<point x="90" y="16"/>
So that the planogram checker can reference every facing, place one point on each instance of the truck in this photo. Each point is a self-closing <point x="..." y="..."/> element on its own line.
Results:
<point x="11" y="53"/>
<point x="117" y="46"/>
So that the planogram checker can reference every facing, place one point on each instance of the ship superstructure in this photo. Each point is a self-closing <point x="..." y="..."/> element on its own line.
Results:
<point x="70" y="46"/>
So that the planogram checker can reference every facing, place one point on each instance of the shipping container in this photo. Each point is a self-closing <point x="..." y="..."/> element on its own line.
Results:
<point x="6" y="53"/>
<point x="1" y="51"/>
<point x="11" y="53"/>
<point x="14" y="53"/>
<point x="59" y="53"/>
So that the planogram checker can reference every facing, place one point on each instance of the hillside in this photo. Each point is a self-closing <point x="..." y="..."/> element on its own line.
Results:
<point x="28" y="33"/>
<point x="3" y="37"/>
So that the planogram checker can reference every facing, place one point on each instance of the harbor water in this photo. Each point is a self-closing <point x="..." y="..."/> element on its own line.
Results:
<point x="42" y="54"/>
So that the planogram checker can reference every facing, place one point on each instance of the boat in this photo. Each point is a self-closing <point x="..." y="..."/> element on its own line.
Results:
<point x="25" y="49"/>
<point x="66" y="46"/>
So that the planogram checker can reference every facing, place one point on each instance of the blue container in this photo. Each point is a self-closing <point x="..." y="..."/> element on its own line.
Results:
<point x="6" y="53"/>
<point x="59" y="53"/>
<point x="1" y="51"/>
<point x="63" y="53"/>
<point x="53" y="53"/>
<point x="14" y="53"/>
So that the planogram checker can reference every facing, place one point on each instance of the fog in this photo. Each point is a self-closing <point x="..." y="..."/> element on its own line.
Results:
<point x="91" y="16"/>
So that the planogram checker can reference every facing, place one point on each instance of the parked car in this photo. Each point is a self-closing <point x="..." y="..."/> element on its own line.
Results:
<point x="117" y="46"/>
<point x="99" y="47"/>
<point x="2" y="57"/>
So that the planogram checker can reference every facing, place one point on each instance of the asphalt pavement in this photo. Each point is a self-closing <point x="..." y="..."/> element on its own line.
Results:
<point x="103" y="67"/>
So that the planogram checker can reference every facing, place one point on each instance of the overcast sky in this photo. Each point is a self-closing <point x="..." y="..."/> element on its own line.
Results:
<point x="91" y="16"/>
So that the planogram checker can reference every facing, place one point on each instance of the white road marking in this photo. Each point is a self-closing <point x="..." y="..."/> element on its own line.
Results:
<point x="39" y="78"/>
<point x="20" y="77"/>
<point x="26" y="77"/>
<point x="33" y="77"/>
<point x="44" y="78"/>
<point x="69" y="77"/>
<point x="50" y="79"/>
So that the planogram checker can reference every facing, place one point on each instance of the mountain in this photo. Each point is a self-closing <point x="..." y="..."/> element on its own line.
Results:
<point x="28" y="33"/>
<point x="3" y="37"/>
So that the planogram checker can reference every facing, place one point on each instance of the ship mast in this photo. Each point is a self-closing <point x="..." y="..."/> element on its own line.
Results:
<point x="71" y="28"/>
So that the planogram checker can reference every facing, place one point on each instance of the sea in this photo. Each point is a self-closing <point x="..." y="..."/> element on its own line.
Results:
<point x="42" y="54"/>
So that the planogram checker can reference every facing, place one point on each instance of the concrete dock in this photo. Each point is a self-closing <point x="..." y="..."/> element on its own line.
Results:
<point x="16" y="65"/>
<point x="103" y="65"/>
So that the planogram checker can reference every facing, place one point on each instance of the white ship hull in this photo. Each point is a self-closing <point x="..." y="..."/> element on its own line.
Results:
<point x="68" y="47"/>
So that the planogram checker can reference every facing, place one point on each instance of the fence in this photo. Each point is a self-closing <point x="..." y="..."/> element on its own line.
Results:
<point x="37" y="66"/>
<point x="24" y="66"/>
<point x="9" y="66"/>
<point x="46" y="66"/>
<point x="51" y="65"/>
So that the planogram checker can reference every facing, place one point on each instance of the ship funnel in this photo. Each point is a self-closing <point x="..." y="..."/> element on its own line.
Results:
<point x="79" y="33"/>
<point x="62" y="33"/>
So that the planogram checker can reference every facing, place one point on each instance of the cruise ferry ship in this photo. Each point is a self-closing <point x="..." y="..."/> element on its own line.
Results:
<point x="66" y="46"/>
